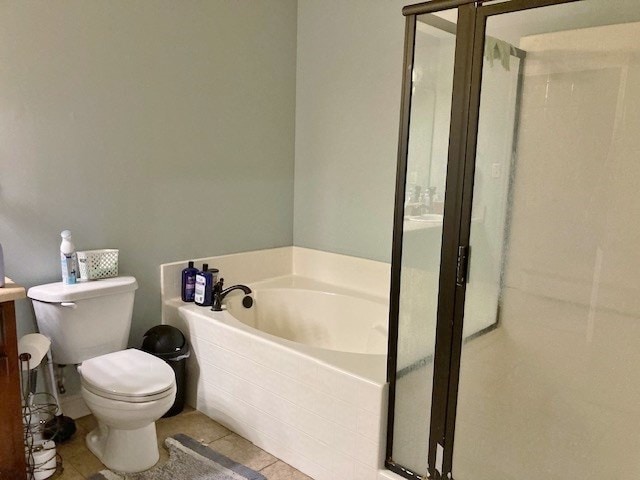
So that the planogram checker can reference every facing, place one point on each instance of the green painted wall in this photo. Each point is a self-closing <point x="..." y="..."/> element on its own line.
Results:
<point x="164" y="129"/>
<point x="349" y="76"/>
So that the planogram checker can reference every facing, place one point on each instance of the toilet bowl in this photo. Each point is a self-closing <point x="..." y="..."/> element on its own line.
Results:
<point x="127" y="391"/>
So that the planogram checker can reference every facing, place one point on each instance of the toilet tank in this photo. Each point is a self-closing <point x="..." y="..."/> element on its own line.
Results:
<point x="84" y="320"/>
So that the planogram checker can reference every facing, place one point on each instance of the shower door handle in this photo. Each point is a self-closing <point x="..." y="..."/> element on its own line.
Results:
<point x="462" y="265"/>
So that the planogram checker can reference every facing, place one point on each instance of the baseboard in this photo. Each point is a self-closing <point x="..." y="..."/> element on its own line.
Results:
<point x="73" y="406"/>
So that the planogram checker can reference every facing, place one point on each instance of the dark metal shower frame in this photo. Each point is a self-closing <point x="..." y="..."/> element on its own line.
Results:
<point x="465" y="111"/>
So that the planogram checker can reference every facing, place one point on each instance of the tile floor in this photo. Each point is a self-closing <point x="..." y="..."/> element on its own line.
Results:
<point x="79" y="463"/>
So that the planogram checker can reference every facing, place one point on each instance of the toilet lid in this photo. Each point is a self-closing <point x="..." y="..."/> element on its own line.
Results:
<point x="127" y="374"/>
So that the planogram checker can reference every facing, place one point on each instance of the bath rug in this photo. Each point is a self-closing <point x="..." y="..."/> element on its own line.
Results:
<point x="188" y="459"/>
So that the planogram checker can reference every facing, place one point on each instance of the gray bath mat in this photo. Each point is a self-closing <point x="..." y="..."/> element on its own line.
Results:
<point x="188" y="459"/>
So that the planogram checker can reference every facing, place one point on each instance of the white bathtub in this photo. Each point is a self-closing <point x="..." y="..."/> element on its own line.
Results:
<point x="301" y="373"/>
<point x="316" y="317"/>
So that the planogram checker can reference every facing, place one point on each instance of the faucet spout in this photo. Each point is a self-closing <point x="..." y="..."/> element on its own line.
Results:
<point x="219" y="295"/>
<point x="227" y="291"/>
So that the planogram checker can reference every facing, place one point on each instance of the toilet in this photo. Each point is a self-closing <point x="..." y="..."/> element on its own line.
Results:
<point x="127" y="390"/>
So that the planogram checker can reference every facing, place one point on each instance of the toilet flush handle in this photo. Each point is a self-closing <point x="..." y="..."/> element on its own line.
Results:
<point x="68" y="304"/>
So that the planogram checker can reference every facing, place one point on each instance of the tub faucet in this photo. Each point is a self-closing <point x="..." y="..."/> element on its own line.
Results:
<point x="219" y="294"/>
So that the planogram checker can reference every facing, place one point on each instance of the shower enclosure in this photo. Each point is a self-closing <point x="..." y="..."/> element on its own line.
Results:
<point x="514" y="339"/>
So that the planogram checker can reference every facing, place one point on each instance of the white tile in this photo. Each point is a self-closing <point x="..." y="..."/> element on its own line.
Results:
<point x="345" y="440"/>
<point x="369" y="425"/>
<point x="364" y="472"/>
<point x="274" y="405"/>
<point x="206" y="325"/>
<point x="276" y="382"/>
<point x="226" y="359"/>
<point x="281" y="359"/>
<point x="370" y="453"/>
<point x="270" y="425"/>
<point x="370" y="396"/>
<point x="336" y="382"/>
<point x="216" y="404"/>
<point x="273" y="445"/>
<point x="218" y="379"/>
<point x="357" y="446"/>
<point x="316" y="426"/>
<point x="223" y="400"/>
<point x="312" y="448"/>
<point x="307" y="370"/>
<point x="311" y="468"/>
<point x="327" y="406"/>
<point x="342" y="466"/>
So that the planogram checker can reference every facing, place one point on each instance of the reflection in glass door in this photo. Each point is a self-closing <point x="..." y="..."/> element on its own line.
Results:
<point x="431" y="85"/>
<point x="554" y="391"/>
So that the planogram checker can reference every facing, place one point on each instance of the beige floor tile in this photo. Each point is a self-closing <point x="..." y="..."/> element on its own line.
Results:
<point x="87" y="423"/>
<point x="243" y="451"/>
<point x="67" y="473"/>
<point x="85" y="462"/>
<point x="72" y="446"/>
<point x="76" y="444"/>
<point x="195" y="424"/>
<point x="283" y="471"/>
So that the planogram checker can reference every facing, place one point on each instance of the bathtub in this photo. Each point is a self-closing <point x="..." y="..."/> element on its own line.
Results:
<point x="301" y="373"/>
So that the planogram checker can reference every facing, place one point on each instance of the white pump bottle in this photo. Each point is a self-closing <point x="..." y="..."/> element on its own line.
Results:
<point x="68" y="259"/>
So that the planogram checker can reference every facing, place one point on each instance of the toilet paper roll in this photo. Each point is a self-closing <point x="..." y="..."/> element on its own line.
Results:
<point x="35" y="344"/>
<point x="43" y="460"/>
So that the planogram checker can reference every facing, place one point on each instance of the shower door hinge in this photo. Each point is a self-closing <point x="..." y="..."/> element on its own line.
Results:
<point x="463" y="264"/>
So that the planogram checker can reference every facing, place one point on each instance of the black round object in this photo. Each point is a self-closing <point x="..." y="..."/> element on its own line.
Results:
<point x="163" y="341"/>
<point x="59" y="429"/>
<point x="247" y="302"/>
<point x="169" y="344"/>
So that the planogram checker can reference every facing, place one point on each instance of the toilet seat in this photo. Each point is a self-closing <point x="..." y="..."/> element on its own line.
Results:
<point x="128" y="376"/>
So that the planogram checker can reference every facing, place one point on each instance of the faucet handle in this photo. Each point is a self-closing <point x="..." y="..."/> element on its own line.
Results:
<point x="216" y="294"/>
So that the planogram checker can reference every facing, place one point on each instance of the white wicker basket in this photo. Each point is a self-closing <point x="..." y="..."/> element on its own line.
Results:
<point x="95" y="264"/>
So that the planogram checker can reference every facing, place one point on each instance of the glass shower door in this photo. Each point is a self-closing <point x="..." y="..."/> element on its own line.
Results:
<point x="553" y="391"/>
<point x="420" y="208"/>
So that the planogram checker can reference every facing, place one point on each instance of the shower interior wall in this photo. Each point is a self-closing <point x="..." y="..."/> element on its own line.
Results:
<point x="555" y="389"/>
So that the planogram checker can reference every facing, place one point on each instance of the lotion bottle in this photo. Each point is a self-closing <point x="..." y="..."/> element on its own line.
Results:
<point x="204" y="286"/>
<point x="68" y="259"/>
<point x="189" y="283"/>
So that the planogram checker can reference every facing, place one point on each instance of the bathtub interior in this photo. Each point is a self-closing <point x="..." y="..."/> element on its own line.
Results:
<point x="312" y="313"/>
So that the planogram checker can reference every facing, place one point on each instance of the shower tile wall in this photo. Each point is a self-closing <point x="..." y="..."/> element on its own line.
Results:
<point x="554" y="393"/>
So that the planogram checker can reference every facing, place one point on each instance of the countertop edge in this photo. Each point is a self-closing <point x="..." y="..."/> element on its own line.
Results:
<point x="11" y="291"/>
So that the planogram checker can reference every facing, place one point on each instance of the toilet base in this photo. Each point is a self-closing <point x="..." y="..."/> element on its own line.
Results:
<point x="127" y="451"/>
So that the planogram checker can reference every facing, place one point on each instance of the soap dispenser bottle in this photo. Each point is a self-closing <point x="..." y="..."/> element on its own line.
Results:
<point x="68" y="259"/>
<point x="189" y="283"/>
<point x="205" y="280"/>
